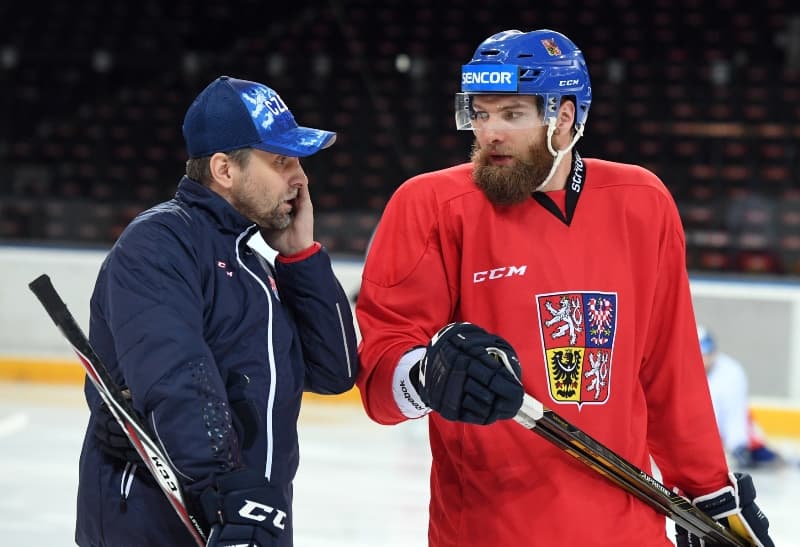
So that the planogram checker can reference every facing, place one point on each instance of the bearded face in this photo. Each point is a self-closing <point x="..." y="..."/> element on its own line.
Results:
<point x="506" y="177"/>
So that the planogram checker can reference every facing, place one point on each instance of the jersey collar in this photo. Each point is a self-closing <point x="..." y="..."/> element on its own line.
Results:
<point x="575" y="183"/>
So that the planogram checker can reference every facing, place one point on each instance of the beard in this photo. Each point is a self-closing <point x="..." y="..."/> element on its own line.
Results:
<point x="512" y="184"/>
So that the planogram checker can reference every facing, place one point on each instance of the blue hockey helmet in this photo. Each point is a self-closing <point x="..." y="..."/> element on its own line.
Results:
<point x="707" y="344"/>
<point x="541" y="62"/>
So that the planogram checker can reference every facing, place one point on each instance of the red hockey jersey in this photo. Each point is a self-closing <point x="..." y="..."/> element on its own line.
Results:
<point x="599" y="311"/>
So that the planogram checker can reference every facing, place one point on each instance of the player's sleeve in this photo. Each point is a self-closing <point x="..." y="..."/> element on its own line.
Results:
<point x="682" y="429"/>
<point x="407" y="294"/>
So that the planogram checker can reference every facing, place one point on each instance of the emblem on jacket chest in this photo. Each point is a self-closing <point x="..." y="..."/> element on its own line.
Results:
<point x="222" y="265"/>
<point x="577" y="332"/>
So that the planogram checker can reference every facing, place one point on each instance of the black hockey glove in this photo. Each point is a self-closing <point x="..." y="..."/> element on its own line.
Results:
<point x="244" y="511"/>
<point x="469" y="375"/>
<point x="110" y="436"/>
<point x="733" y="506"/>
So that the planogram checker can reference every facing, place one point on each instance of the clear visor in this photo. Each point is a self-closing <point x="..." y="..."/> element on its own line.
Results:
<point x="479" y="112"/>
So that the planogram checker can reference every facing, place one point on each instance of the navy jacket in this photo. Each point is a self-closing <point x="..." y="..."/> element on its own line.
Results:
<point x="184" y="313"/>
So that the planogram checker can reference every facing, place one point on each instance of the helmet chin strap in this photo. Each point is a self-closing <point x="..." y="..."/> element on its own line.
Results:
<point x="558" y="155"/>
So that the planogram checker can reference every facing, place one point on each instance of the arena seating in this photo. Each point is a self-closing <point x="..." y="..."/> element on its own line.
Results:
<point x="93" y="99"/>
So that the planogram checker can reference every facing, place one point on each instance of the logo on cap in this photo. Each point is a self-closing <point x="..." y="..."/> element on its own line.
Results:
<point x="265" y="106"/>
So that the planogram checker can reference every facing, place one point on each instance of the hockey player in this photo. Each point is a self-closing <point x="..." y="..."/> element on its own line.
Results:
<point x="571" y="269"/>
<point x="215" y="344"/>
<point x="727" y="380"/>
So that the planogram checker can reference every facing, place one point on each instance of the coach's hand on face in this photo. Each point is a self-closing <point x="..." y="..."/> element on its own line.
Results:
<point x="298" y="235"/>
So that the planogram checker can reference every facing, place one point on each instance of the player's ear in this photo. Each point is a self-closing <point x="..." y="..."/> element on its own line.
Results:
<point x="566" y="117"/>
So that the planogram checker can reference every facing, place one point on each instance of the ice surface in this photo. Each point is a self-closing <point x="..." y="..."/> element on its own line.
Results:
<point x="359" y="484"/>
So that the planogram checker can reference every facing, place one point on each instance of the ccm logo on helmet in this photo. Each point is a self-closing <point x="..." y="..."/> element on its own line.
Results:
<point x="258" y="511"/>
<point x="486" y="78"/>
<point x="562" y="83"/>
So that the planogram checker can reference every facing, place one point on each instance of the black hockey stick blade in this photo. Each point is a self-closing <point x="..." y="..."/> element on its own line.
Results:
<point x="162" y="470"/>
<point x="549" y="425"/>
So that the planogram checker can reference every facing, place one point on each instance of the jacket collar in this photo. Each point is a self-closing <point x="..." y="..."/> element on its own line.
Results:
<point x="196" y="195"/>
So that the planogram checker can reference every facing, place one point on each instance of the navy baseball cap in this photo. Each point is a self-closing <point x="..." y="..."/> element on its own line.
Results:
<point x="231" y="114"/>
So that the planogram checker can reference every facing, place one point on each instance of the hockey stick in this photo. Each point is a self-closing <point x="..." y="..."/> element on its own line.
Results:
<point x="534" y="416"/>
<point x="162" y="469"/>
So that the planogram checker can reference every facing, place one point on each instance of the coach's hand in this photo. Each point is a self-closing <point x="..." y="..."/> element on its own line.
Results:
<point x="469" y="375"/>
<point x="244" y="511"/>
<point x="110" y="436"/>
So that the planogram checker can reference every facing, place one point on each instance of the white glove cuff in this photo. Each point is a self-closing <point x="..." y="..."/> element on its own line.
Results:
<point x="405" y="396"/>
<point x="732" y="491"/>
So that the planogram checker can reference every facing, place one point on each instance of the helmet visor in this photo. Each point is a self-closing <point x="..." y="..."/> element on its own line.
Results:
<point x="497" y="111"/>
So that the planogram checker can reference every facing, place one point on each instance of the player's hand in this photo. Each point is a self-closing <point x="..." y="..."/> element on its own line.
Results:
<point x="470" y="375"/>
<point x="734" y="506"/>
<point x="110" y="437"/>
<point x="244" y="511"/>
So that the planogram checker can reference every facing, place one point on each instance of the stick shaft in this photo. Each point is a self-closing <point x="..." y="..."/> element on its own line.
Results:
<point x="552" y="427"/>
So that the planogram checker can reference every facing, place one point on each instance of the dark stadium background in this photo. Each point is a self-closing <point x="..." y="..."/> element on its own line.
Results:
<point x="706" y="94"/>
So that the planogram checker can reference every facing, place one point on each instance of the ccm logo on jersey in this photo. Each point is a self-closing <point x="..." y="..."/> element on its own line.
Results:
<point x="258" y="511"/>
<point x="498" y="273"/>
